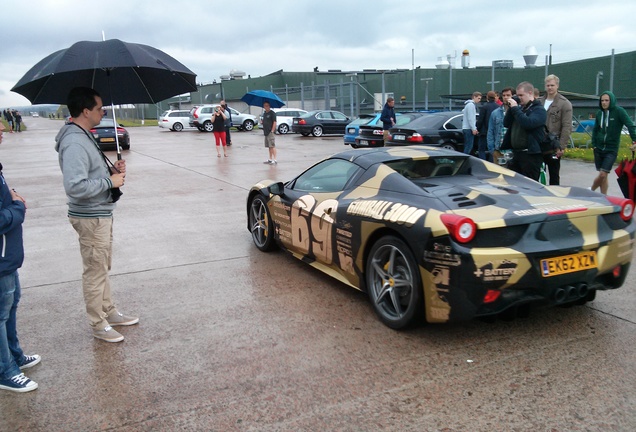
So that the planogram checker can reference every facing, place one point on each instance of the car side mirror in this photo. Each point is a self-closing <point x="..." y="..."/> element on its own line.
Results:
<point x="276" y="189"/>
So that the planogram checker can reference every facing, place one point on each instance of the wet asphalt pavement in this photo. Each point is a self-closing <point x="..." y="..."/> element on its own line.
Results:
<point x="233" y="339"/>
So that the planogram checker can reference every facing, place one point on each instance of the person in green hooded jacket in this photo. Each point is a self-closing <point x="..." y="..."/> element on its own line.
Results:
<point x="606" y="137"/>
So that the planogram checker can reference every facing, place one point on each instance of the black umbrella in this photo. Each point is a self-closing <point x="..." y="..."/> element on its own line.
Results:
<point x="121" y="72"/>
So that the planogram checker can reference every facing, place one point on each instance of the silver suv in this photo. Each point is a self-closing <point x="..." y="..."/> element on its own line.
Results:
<point x="200" y="117"/>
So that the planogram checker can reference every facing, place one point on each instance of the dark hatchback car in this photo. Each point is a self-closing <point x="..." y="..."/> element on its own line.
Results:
<point x="371" y="135"/>
<point x="104" y="134"/>
<point x="443" y="129"/>
<point x="321" y="122"/>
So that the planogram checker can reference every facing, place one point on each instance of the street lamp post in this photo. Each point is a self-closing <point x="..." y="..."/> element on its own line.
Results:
<point x="599" y="77"/>
<point x="426" y="80"/>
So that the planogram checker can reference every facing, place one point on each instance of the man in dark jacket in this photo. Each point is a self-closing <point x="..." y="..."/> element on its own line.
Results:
<point x="482" y="125"/>
<point x="12" y="359"/>
<point x="525" y="121"/>
<point x="606" y="137"/>
<point x="387" y="117"/>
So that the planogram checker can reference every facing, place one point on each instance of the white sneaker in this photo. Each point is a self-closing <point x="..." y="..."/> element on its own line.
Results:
<point x="108" y="334"/>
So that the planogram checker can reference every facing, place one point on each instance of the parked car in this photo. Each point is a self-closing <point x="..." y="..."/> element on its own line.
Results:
<point x="104" y="134"/>
<point x="321" y="122"/>
<point x="200" y="117"/>
<point x="353" y="129"/>
<point x="175" y="120"/>
<point x="443" y="129"/>
<point x="432" y="233"/>
<point x="284" y="118"/>
<point x="371" y="134"/>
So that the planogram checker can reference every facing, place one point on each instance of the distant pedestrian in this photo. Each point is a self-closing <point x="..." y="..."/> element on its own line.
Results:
<point x="525" y="121"/>
<point x="482" y="125"/>
<point x="606" y="137"/>
<point x="496" y="129"/>
<point x="387" y="117"/>
<point x="558" y="122"/>
<point x="12" y="358"/>
<point x="228" y="123"/>
<point x="269" y="130"/>
<point x="9" y="118"/>
<point x="469" y="122"/>
<point x="218" y="123"/>
<point x="17" y="121"/>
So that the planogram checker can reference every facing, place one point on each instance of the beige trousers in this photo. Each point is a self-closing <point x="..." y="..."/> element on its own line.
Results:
<point x="96" y="246"/>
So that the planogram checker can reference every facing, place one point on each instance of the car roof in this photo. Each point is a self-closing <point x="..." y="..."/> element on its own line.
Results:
<point x="371" y="156"/>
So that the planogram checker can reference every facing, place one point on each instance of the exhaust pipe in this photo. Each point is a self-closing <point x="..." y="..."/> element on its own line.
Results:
<point x="559" y="295"/>
<point x="571" y="291"/>
<point x="582" y="290"/>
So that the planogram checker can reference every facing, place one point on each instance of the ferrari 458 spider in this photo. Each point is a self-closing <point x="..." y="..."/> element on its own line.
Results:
<point x="433" y="233"/>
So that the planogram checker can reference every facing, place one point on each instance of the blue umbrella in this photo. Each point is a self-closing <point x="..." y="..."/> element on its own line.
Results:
<point x="258" y="97"/>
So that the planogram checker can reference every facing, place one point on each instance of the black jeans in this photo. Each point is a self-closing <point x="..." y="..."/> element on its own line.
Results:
<point x="526" y="164"/>
<point x="554" y="167"/>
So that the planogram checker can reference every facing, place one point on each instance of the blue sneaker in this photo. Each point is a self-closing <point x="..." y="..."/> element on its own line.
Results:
<point x="30" y="361"/>
<point x="18" y="383"/>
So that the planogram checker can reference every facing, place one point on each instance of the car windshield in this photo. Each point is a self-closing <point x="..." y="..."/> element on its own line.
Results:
<point x="437" y="166"/>
<point x="361" y="121"/>
<point x="430" y="121"/>
<point x="106" y="123"/>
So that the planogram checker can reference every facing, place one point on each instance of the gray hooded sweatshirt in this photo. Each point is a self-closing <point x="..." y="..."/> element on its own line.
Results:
<point x="469" y="119"/>
<point x="86" y="175"/>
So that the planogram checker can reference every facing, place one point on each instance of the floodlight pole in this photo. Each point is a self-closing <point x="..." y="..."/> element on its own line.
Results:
<point x="426" y="80"/>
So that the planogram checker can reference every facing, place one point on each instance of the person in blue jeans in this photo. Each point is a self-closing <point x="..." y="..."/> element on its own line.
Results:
<point x="12" y="358"/>
<point x="469" y="122"/>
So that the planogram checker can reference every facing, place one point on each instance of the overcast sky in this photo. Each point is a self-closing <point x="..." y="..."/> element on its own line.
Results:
<point x="259" y="37"/>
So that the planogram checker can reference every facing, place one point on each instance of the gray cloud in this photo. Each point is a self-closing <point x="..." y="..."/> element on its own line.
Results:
<point x="260" y="37"/>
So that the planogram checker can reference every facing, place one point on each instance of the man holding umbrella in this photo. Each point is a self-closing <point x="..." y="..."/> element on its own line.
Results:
<point x="269" y="129"/>
<point x="88" y="181"/>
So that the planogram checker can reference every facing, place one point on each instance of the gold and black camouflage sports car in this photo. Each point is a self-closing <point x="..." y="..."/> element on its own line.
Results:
<point x="435" y="233"/>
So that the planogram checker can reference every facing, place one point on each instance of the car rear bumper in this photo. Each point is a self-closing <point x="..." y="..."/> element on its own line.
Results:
<point x="369" y="142"/>
<point x="458" y="282"/>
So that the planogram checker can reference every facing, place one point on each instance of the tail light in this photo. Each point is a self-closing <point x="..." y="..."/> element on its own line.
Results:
<point x="491" y="296"/>
<point x="93" y="131"/>
<point x="627" y="206"/>
<point x="121" y="131"/>
<point x="416" y="138"/>
<point x="195" y="115"/>
<point x="302" y="122"/>
<point x="461" y="228"/>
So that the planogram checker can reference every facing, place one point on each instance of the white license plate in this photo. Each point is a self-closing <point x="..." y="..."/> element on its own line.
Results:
<point x="364" y="142"/>
<point x="399" y="137"/>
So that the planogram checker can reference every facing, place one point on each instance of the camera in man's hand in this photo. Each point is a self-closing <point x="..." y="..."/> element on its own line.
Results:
<point x="516" y="99"/>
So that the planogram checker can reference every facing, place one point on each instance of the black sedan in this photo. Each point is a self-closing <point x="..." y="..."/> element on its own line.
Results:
<point x="321" y="122"/>
<point x="104" y="134"/>
<point x="443" y="129"/>
<point x="372" y="135"/>
<point x="429" y="232"/>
